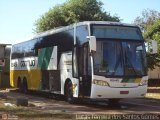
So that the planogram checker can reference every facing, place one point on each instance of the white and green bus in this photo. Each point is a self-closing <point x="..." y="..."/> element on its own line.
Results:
<point x="91" y="59"/>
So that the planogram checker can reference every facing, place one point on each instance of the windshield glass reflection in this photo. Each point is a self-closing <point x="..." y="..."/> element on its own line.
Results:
<point x="117" y="58"/>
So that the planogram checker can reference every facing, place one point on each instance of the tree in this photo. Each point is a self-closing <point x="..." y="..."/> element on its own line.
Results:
<point x="153" y="32"/>
<point x="147" y="19"/>
<point x="73" y="11"/>
<point x="149" y="23"/>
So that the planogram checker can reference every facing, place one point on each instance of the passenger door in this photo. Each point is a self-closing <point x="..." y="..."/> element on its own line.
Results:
<point x="84" y="70"/>
<point x="47" y="61"/>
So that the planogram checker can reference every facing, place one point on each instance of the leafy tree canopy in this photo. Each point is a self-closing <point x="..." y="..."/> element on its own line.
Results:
<point x="149" y="23"/>
<point x="73" y="11"/>
<point x="153" y="32"/>
<point x="147" y="19"/>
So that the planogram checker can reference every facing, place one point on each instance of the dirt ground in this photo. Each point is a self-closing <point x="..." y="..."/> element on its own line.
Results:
<point x="42" y="108"/>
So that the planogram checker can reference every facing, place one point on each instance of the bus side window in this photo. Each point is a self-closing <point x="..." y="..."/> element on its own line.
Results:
<point x="36" y="52"/>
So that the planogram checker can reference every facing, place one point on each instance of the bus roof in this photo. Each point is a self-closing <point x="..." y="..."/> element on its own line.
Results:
<point x="4" y="45"/>
<point x="62" y="28"/>
<point x="58" y="29"/>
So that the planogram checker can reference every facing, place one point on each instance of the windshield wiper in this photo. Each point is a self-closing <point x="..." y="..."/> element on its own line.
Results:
<point x="117" y="64"/>
<point x="130" y="63"/>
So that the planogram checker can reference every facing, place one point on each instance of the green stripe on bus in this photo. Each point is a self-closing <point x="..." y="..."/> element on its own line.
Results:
<point x="44" y="57"/>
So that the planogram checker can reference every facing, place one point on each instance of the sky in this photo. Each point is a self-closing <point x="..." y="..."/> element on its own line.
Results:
<point x="17" y="17"/>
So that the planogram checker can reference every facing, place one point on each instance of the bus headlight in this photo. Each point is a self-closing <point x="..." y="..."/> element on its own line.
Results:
<point x="100" y="82"/>
<point x="143" y="82"/>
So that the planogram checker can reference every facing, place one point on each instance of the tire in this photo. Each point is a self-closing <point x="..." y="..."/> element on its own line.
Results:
<point x="69" y="93"/>
<point x="25" y="86"/>
<point x="19" y="85"/>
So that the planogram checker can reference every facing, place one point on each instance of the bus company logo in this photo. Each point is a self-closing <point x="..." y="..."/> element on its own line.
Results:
<point x="15" y="64"/>
<point x="68" y="62"/>
<point x="124" y="84"/>
<point x="114" y="80"/>
<point x="30" y="63"/>
<point x="24" y="63"/>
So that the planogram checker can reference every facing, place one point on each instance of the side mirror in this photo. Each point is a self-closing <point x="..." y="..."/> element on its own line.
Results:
<point x="7" y="52"/>
<point x="92" y="43"/>
<point x="2" y="52"/>
<point x="2" y="63"/>
<point x="152" y="46"/>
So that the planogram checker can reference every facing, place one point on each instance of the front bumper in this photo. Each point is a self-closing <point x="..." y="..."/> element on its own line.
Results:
<point x="98" y="91"/>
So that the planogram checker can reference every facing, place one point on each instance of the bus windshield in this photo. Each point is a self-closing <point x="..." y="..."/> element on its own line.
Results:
<point x="120" y="51"/>
<point x="116" y="32"/>
<point x="119" y="58"/>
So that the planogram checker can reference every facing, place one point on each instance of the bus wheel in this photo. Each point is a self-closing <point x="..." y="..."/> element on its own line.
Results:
<point x="25" y="86"/>
<point x="19" y="84"/>
<point x="69" y="92"/>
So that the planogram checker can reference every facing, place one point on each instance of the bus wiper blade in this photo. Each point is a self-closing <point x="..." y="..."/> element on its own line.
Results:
<point x="130" y="63"/>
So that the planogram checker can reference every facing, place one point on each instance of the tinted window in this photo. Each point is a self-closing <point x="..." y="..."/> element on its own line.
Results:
<point x="117" y="32"/>
<point x="81" y="34"/>
<point x="108" y="58"/>
<point x="24" y="49"/>
<point x="64" y="40"/>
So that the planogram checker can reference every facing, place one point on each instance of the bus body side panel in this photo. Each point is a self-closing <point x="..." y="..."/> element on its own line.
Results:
<point x="66" y="73"/>
<point x="25" y="68"/>
<point x="33" y="78"/>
